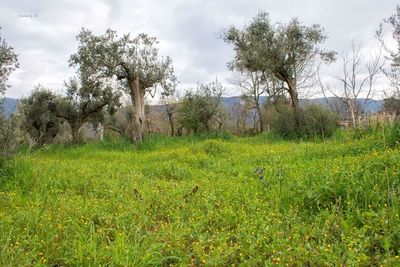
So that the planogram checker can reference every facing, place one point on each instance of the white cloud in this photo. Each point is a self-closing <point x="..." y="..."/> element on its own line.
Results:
<point x="187" y="31"/>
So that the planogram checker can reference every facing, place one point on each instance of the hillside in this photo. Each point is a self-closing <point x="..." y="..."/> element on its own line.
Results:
<point x="10" y="105"/>
<point x="371" y="107"/>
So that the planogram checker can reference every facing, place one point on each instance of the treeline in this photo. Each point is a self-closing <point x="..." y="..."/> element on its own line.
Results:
<point x="278" y="61"/>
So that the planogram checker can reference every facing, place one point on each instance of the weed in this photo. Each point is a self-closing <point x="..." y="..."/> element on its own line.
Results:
<point x="204" y="200"/>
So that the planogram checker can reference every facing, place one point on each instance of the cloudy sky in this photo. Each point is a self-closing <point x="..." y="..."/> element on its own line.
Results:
<point x="43" y="32"/>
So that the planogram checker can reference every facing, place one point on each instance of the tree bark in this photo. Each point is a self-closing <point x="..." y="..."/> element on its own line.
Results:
<point x="260" y="118"/>
<point x="138" y="108"/>
<point x="171" y="124"/>
<point x="115" y="130"/>
<point x="207" y="127"/>
<point x="295" y="101"/>
<point x="76" y="137"/>
<point x="220" y="124"/>
<point x="352" y="112"/>
<point x="179" y="131"/>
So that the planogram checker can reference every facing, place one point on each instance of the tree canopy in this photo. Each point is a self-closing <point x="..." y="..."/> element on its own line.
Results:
<point x="393" y="72"/>
<point x="199" y="108"/>
<point x="8" y="63"/>
<point x="85" y="101"/>
<point x="38" y="120"/>
<point x="289" y="52"/>
<point x="134" y="62"/>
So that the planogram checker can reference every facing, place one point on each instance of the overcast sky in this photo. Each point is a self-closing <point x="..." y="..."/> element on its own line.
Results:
<point x="43" y="32"/>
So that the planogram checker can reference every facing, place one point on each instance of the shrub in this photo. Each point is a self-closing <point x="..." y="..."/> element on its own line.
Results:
<point x="283" y="123"/>
<point x="5" y="171"/>
<point x="222" y="135"/>
<point x="394" y="134"/>
<point x="39" y="122"/>
<point x="315" y="122"/>
<point x="111" y="143"/>
<point x="364" y="131"/>
<point x="8" y="139"/>
<point x="8" y="148"/>
<point x="319" y="121"/>
<point x="212" y="147"/>
<point x="198" y="110"/>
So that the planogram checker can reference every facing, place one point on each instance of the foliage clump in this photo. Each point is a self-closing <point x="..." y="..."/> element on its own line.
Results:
<point x="198" y="110"/>
<point x="316" y="122"/>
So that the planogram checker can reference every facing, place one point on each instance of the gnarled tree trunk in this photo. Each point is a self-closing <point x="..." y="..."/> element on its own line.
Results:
<point x="138" y="108"/>
<point x="295" y="101"/>
<point x="260" y="118"/>
<point x="351" y="107"/>
<point x="76" y="137"/>
<point x="171" y="124"/>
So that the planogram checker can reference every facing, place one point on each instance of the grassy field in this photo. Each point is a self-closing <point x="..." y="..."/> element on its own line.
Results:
<point x="256" y="201"/>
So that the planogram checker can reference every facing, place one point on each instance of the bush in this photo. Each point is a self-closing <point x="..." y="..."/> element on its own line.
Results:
<point x="283" y="122"/>
<point x="39" y="122"/>
<point x="223" y="135"/>
<point x="394" y="134"/>
<point x="6" y="171"/>
<point x="381" y="134"/>
<point x="315" y="122"/>
<point x="364" y="131"/>
<point x="8" y="147"/>
<point x="211" y="147"/>
<point x="319" y="122"/>
<point x="110" y="143"/>
<point x="8" y="138"/>
<point x="198" y="110"/>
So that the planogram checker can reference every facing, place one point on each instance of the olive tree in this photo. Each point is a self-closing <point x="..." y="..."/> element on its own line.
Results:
<point x="393" y="73"/>
<point x="392" y="105"/>
<point x="171" y="107"/>
<point x="8" y="63"/>
<point x="85" y="101"/>
<point x="393" y="56"/>
<point x="288" y="52"/>
<point x="119" y="122"/>
<point x="198" y="109"/>
<point x="134" y="62"/>
<point x="38" y="120"/>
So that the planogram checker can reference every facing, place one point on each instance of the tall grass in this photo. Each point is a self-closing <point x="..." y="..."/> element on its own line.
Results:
<point x="212" y="200"/>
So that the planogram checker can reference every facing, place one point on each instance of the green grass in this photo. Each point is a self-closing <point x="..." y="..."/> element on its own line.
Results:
<point x="197" y="201"/>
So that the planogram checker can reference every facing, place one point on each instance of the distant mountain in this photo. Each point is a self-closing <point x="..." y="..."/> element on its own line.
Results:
<point x="370" y="107"/>
<point x="10" y="105"/>
<point x="231" y="100"/>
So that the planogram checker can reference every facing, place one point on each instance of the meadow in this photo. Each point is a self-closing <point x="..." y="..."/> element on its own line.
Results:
<point x="204" y="201"/>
